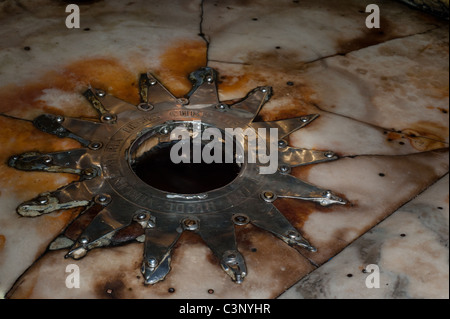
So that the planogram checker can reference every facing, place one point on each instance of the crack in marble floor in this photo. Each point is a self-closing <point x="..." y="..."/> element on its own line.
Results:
<point x="393" y="130"/>
<point x="201" y="33"/>
<point x="324" y="58"/>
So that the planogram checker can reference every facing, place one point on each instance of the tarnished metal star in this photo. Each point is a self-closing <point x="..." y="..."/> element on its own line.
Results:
<point x="112" y="186"/>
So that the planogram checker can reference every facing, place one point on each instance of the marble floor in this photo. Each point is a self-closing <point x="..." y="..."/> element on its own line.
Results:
<point x="383" y="100"/>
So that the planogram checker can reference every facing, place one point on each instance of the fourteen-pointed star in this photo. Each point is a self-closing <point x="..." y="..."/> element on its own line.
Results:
<point x="128" y="181"/>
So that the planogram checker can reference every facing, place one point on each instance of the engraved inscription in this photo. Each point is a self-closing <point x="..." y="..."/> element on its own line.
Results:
<point x="190" y="208"/>
<point x="129" y="192"/>
<point x="113" y="146"/>
<point x="186" y="113"/>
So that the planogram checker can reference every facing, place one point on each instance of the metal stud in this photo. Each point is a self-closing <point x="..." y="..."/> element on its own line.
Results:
<point x="47" y="159"/>
<point x="285" y="169"/>
<point x="152" y="262"/>
<point x="268" y="196"/>
<point x="293" y="234"/>
<point x="304" y="119"/>
<point x="190" y="224"/>
<point x="222" y="107"/>
<point x="108" y="118"/>
<point x="89" y="172"/>
<point x="102" y="199"/>
<point x="145" y="107"/>
<point x="329" y="154"/>
<point x="183" y="101"/>
<point x="165" y="130"/>
<point x="241" y="219"/>
<point x="282" y="143"/>
<point x="43" y="200"/>
<point x="95" y="145"/>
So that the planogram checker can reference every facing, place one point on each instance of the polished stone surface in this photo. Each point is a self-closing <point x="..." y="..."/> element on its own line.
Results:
<point x="410" y="249"/>
<point x="382" y="97"/>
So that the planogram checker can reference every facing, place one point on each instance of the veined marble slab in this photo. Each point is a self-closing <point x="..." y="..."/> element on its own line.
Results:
<point x="382" y="97"/>
<point x="410" y="249"/>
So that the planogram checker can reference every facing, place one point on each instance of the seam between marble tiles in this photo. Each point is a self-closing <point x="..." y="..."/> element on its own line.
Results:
<point x="14" y="117"/>
<point x="435" y="27"/>
<point x="201" y="33"/>
<point x="324" y="58"/>
<point x="394" y="155"/>
<point x="226" y="62"/>
<point x="373" y="125"/>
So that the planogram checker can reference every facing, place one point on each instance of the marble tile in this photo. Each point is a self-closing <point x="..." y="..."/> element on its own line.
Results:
<point x="382" y="97"/>
<point x="374" y="186"/>
<point x="291" y="40"/>
<point x="410" y="249"/>
<point x="406" y="76"/>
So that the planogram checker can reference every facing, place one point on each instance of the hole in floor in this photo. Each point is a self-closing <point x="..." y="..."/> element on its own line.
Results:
<point x="151" y="161"/>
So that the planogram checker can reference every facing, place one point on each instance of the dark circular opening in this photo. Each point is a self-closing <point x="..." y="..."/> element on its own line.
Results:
<point x="156" y="169"/>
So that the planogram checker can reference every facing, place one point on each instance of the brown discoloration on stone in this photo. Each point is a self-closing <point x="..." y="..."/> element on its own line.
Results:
<point x="112" y="288"/>
<point x="56" y="221"/>
<point x="431" y="130"/>
<point x="177" y="62"/>
<point x="268" y="256"/>
<point x="103" y="73"/>
<point x="2" y="242"/>
<point x="369" y="37"/>
<point x="298" y="211"/>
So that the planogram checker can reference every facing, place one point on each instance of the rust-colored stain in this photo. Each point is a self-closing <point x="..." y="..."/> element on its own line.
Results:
<point x="2" y="242"/>
<point x="55" y="222"/>
<point x="301" y="172"/>
<point x="300" y="96"/>
<point x="369" y="38"/>
<point x="423" y="136"/>
<point x="177" y="62"/>
<point x="298" y="212"/>
<point x="233" y="83"/>
<point x="17" y="137"/>
<point x="442" y="110"/>
<point x="104" y="73"/>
